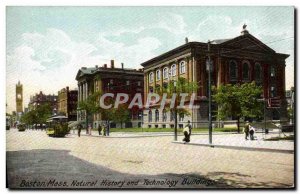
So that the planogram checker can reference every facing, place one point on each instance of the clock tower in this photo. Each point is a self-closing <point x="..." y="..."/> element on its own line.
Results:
<point x="19" y="97"/>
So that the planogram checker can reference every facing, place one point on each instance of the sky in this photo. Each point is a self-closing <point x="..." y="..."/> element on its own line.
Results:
<point x="45" y="46"/>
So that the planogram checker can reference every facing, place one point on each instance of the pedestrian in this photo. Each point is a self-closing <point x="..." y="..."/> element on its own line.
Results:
<point x="104" y="130"/>
<point x="187" y="131"/>
<point x="251" y="131"/>
<point x="246" y="130"/>
<point x="99" y="129"/>
<point x="79" y="127"/>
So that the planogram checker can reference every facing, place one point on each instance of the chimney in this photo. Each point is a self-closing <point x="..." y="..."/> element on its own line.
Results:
<point x="122" y="64"/>
<point x="96" y="66"/>
<point x="83" y="67"/>
<point x="186" y="40"/>
<point x="112" y="64"/>
<point x="105" y="65"/>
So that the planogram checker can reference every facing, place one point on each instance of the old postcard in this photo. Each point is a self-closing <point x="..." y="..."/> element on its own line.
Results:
<point x="150" y="97"/>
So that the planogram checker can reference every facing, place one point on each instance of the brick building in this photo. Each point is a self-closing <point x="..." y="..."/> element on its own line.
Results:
<point x="67" y="103"/>
<point x="113" y="80"/>
<point x="235" y="61"/>
<point x="41" y="99"/>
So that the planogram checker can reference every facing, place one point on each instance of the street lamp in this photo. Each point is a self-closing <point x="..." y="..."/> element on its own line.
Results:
<point x="209" y="70"/>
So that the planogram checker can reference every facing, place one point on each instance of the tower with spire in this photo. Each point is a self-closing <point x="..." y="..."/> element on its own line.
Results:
<point x="19" y="98"/>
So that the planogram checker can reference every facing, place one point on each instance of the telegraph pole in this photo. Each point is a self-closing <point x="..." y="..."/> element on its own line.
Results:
<point x="209" y="94"/>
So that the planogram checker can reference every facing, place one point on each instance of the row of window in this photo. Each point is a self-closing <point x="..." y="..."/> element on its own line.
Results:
<point x="258" y="75"/>
<point x="164" y="116"/>
<point x="168" y="72"/>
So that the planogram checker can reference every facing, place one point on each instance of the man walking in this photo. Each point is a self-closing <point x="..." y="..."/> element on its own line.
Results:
<point x="79" y="127"/>
<point x="187" y="131"/>
<point x="246" y="130"/>
<point x="99" y="129"/>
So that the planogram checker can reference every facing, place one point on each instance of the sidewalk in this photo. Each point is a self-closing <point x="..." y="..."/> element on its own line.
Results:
<point x="237" y="141"/>
<point x="142" y="134"/>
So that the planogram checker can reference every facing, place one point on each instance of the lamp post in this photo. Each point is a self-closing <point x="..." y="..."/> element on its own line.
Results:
<point x="107" y="122"/>
<point x="175" y="127"/>
<point x="209" y="69"/>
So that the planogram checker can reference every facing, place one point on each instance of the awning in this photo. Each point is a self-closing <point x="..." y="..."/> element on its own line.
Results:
<point x="74" y="123"/>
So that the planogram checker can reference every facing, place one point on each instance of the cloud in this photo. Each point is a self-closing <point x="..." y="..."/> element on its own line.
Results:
<point x="50" y="61"/>
<point x="173" y="23"/>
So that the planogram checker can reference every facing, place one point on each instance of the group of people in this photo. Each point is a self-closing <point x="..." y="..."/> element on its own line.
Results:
<point x="101" y="129"/>
<point x="249" y="130"/>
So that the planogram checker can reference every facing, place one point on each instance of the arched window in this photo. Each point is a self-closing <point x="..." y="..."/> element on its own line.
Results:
<point x="150" y="116"/>
<point x="164" y="115"/>
<point x="158" y="75"/>
<point x="272" y="71"/>
<point x="166" y="73"/>
<point x="233" y="70"/>
<point x="151" y="77"/>
<point x="246" y="72"/>
<point x="156" y="115"/>
<point x="257" y="72"/>
<point x="173" y="70"/>
<point x="182" y="67"/>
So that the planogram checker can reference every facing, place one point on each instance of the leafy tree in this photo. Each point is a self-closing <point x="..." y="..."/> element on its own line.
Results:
<point x="37" y="116"/>
<point x="90" y="105"/>
<point x="240" y="101"/>
<point x="121" y="114"/>
<point x="182" y="86"/>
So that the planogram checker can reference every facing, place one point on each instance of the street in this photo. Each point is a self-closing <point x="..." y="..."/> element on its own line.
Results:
<point x="35" y="160"/>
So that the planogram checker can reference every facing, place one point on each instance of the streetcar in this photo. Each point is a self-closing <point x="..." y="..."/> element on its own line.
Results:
<point x="57" y="126"/>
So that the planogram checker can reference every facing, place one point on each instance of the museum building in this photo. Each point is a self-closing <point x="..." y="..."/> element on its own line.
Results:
<point x="234" y="61"/>
<point x="110" y="80"/>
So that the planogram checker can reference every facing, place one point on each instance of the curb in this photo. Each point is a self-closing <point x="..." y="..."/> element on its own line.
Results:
<point x="238" y="147"/>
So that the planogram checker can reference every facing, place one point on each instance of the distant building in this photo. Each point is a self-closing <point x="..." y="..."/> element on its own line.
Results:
<point x="42" y="99"/>
<point x="112" y="80"/>
<point x="67" y="103"/>
<point x="19" y="100"/>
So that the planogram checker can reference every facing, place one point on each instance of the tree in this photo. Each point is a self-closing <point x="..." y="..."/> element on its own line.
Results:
<point x="121" y="114"/>
<point x="182" y="86"/>
<point x="240" y="101"/>
<point x="37" y="116"/>
<point x="90" y="105"/>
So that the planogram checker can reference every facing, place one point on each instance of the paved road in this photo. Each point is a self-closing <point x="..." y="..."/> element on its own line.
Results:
<point x="35" y="160"/>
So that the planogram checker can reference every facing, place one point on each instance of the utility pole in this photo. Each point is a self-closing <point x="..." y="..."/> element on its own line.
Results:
<point x="175" y="127"/>
<point x="209" y="94"/>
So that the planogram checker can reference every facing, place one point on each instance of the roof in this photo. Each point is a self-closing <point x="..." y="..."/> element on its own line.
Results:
<point x="171" y="52"/>
<point x="88" y="70"/>
<point x="93" y="70"/>
<point x="219" y="41"/>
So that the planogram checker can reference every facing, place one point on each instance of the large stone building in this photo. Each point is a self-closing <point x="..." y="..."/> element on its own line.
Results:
<point x="67" y="103"/>
<point x="113" y="80"/>
<point x="41" y="99"/>
<point x="235" y="61"/>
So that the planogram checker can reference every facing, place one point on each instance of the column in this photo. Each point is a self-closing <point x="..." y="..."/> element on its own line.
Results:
<point x="86" y="90"/>
<point x="78" y="96"/>
<point x="83" y="91"/>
